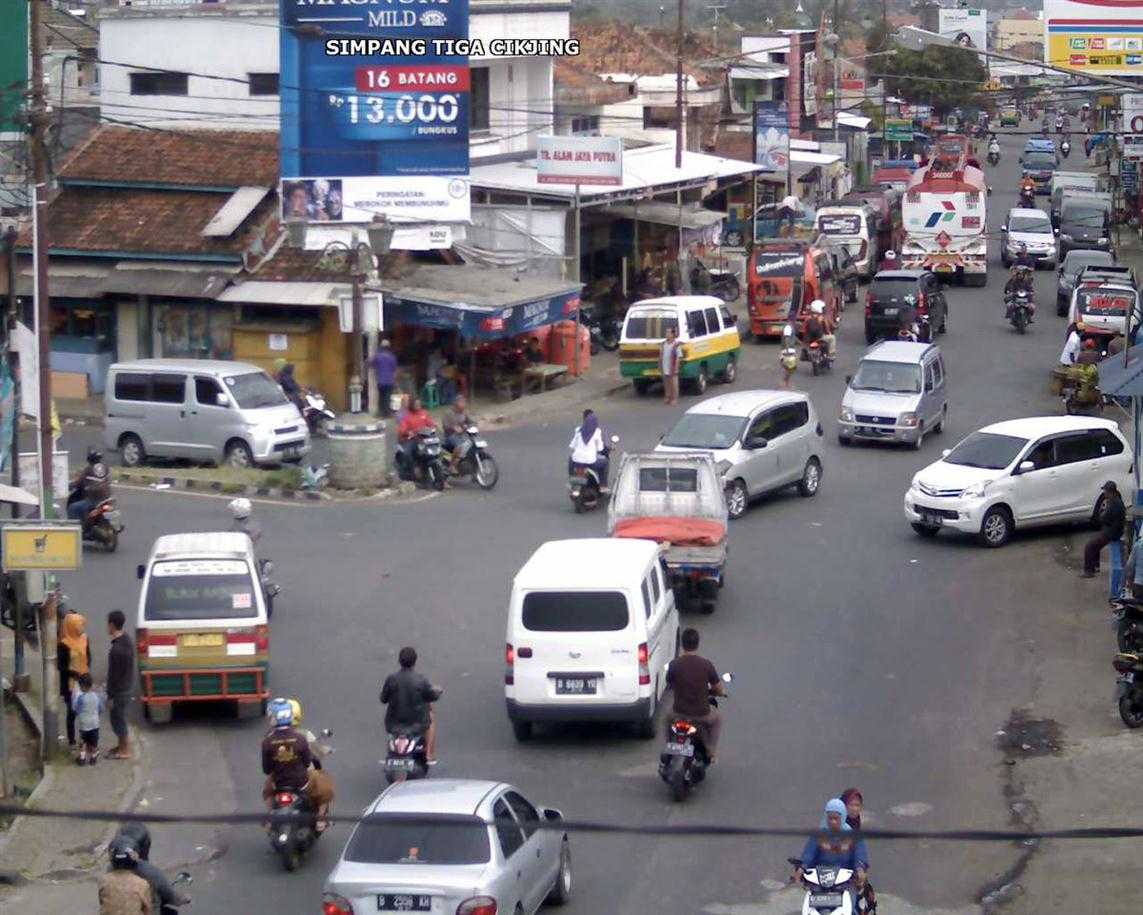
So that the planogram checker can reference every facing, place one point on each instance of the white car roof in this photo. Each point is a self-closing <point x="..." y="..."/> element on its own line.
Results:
<point x="452" y="796"/>
<point x="1034" y="426"/>
<point x="693" y="301"/>
<point x="898" y="351"/>
<point x="601" y="562"/>
<point x="1027" y="211"/>
<point x="743" y="403"/>
<point x="202" y="545"/>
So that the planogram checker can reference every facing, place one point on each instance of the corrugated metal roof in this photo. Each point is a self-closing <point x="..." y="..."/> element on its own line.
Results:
<point x="179" y="281"/>
<point x="760" y="71"/>
<point x="667" y="214"/>
<point x="234" y="212"/>
<point x="263" y="292"/>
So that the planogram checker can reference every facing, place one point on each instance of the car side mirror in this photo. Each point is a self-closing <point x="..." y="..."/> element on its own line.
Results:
<point x="1025" y="466"/>
<point x="756" y="444"/>
<point x="222" y="400"/>
<point x="550" y="813"/>
<point x="140" y="571"/>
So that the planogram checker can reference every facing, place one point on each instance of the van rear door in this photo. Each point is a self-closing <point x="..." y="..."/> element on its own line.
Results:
<point x="577" y="647"/>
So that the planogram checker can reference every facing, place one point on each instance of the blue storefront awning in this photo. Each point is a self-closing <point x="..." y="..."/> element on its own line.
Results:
<point x="479" y="303"/>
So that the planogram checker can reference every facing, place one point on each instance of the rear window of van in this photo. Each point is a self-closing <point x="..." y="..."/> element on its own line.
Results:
<point x="200" y="589"/>
<point x="651" y="325"/>
<point x="575" y="611"/>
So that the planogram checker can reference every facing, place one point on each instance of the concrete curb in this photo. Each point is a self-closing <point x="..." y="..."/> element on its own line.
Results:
<point x="213" y="488"/>
<point x="502" y="421"/>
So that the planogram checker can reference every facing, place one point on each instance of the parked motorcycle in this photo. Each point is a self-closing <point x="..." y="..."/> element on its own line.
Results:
<point x="294" y="829"/>
<point x="1129" y="687"/>
<point x="821" y="360"/>
<point x="1127" y="615"/>
<point x="585" y="487"/>
<point x="102" y="524"/>
<point x="605" y="331"/>
<point x="827" y="890"/>
<point x="684" y="761"/>
<point x="475" y="461"/>
<point x="426" y="465"/>
<point x="315" y="412"/>
<point x="721" y="283"/>
<point x="1020" y="310"/>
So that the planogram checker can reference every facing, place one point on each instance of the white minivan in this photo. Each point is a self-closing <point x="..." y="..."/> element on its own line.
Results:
<point x="591" y="626"/>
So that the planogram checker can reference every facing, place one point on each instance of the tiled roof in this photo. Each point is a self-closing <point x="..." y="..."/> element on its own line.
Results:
<point x="195" y="158"/>
<point x="144" y="222"/>
<point x="612" y="47"/>
<point x="65" y="31"/>
<point x="293" y="264"/>
<point x="576" y="85"/>
<point x="737" y="145"/>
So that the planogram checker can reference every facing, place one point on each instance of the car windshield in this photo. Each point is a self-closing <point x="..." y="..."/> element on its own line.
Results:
<point x="1036" y="225"/>
<point x="1084" y="216"/>
<point x="705" y="430"/>
<point x="890" y="377"/>
<point x="255" y="389"/>
<point x="893" y="287"/>
<point x="1040" y="161"/>
<point x="986" y="450"/>
<point x="200" y="590"/>
<point x="393" y="839"/>
<point x="650" y="325"/>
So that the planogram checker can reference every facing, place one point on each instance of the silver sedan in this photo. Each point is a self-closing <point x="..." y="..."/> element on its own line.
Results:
<point x="427" y="846"/>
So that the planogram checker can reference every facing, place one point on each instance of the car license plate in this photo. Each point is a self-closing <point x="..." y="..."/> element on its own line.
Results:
<point x="399" y="902"/>
<point x="932" y="518"/>
<point x="207" y="640"/>
<point x="680" y="749"/>
<point x="825" y="900"/>
<point x="481" y="443"/>
<point x="891" y="311"/>
<point x="575" y="686"/>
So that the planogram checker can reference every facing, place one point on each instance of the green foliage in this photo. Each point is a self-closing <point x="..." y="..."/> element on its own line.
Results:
<point x="941" y="76"/>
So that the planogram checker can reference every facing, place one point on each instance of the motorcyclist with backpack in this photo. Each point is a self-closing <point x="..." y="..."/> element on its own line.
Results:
<point x="161" y="888"/>
<point x="90" y="487"/>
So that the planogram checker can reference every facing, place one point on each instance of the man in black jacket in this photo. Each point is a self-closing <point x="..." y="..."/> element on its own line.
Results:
<point x="120" y="681"/>
<point x="408" y="697"/>
<point x="1111" y="524"/>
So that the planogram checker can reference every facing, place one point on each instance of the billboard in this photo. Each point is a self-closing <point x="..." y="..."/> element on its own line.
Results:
<point x="374" y="110"/>
<point x="810" y="83"/>
<point x="967" y="28"/>
<point x="1094" y="36"/>
<point x="579" y="160"/>
<point x="772" y="137"/>
<point x="13" y="67"/>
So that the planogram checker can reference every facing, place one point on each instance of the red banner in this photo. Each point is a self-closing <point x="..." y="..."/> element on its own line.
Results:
<point x="436" y="78"/>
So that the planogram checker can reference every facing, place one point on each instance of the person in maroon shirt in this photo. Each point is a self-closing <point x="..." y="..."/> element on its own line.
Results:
<point x="694" y="680"/>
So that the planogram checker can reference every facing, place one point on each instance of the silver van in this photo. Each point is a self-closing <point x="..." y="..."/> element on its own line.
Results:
<point x="200" y="410"/>
<point x="899" y="394"/>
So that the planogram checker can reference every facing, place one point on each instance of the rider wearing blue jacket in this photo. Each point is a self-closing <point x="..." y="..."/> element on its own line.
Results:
<point x="835" y="848"/>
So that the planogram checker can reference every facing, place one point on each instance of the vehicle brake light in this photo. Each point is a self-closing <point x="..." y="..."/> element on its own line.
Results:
<point x="262" y="638"/>
<point x="283" y="798"/>
<point x="332" y="904"/>
<point x="141" y="641"/>
<point x="509" y="661"/>
<point x="644" y="665"/>
<point x="477" y="905"/>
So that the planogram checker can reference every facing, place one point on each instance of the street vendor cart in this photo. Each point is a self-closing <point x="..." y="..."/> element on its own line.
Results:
<point x="677" y="501"/>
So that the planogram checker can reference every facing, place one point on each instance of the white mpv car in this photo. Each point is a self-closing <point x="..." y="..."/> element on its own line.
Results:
<point x="1021" y="473"/>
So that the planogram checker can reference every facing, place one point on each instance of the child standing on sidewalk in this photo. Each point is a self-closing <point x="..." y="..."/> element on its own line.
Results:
<point x="87" y="706"/>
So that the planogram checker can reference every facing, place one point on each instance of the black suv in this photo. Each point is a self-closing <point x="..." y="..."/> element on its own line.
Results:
<point x="899" y="297"/>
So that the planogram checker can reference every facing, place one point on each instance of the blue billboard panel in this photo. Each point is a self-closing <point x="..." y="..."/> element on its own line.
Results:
<point x="772" y="137"/>
<point x="374" y="89"/>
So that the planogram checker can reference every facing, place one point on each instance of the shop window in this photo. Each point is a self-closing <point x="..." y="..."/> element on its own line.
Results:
<point x="585" y="124"/>
<point x="479" y="104"/>
<point x="159" y="83"/>
<point x="263" y="83"/>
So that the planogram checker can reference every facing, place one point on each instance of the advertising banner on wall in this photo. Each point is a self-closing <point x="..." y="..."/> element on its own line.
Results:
<point x="579" y="160"/>
<point x="1094" y="36"/>
<point x="1132" y="103"/>
<point x="772" y="137"/>
<point x="374" y="110"/>
<point x="968" y="28"/>
<point x="809" y="83"/>
<point x="13" y="67"/>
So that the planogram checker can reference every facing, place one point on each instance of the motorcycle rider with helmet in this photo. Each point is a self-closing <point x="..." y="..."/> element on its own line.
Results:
<point x="889" y="262"/>
<point x="90" y="487"/>
<point x="818" y="328"/>
<point x="290" y="763"/>
<point x="240" y="509"/>
<point x="1020" y="279"/>
<point x="994" y="147"/>
<point x="122" y="890"/>
<point x="161" y="887"/>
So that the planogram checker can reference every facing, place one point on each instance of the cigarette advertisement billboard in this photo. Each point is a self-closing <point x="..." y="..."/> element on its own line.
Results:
<point x="968" y="28"/>
<point x="374" y="110"/>
<point x="1094" y="36"/>
<point x="772" y="137"/>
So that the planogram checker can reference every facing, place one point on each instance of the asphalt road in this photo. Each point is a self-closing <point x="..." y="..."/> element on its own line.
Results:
<point x="864" y="655"/>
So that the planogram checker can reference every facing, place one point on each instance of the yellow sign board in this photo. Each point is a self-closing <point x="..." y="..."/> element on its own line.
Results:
<point x="1119" y="52"/>
<point x="41" y="548"/>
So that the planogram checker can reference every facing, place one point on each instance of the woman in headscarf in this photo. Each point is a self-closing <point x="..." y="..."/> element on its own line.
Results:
<point x="832" y="846"/>
<point x="73" y="657"/>
<point x="854" y="806"/>
<point x="588" y="448"/>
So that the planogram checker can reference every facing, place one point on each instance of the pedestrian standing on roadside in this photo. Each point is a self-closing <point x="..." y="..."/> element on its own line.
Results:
<point x="669" y="358"/>
<point x="73" y="657"/>
<point x="385" y="370"/>
<point x="1110" y="529"/>
<point x="120" y="680"/>
<point x="86" y="707"/>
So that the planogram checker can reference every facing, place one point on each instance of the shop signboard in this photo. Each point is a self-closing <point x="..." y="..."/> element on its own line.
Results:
<point x="40" y="547"/>
<point x="965" y="27"/>
<point x="1133" y="112"/>
<point x="374" y="111"/>
<point x="579" y="160"/>
<point x="898" y="129"/>
<point x="1133" y="146"/>
<point x="1095" y="36"/>
<point x="772" y="137"/>
<point x="476" y="323"/>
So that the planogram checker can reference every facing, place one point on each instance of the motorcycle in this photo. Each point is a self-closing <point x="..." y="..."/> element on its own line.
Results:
<point x="1020" y="310"/>
<point x="585" y="488"/>
<point x="315" y="412"/>
<point x="294" y="829"/>
<point x="1127" y="616"/>
<point x="605" y="331"/>
<point x="1059" y="125"/>
<point x="721" y="283"/>
<point x="820" y="359"/>
<point x="1129" y="687"/>
<point x="475" y="461"/>
<point x="1027" y="198"/>
<point x="826" y="890"/>
<point x="683" y="762"/>
<point x="1065" y="149"/>
<point x="406" y="758"/>
<point x="426" y="465"/>
<point x="102" y="524"/>
<point x="994" y="157"/>
<point x="164" y="909"/>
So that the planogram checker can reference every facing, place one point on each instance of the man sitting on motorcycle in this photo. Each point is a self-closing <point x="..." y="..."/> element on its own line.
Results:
<point x="408" y="698"/>
<point x="818" y="327"/>
<point x="290" y="386"/>
<point x="1020" y="280"/>
<point x="90" y="487"/>
<point x="693" y="679"/>
<point x="889" y="262"/>
<point x="416" y="420"/>
<point x="588" y="448"/>
<point x="833" y="848"/>
<point x="122" y="890"/>
<point x="994" y="147"/>
<point x="240" y="510"/>
<point x="289" y="762"/>
<point x="456" y="420"/>
<point x="161" y="887"/>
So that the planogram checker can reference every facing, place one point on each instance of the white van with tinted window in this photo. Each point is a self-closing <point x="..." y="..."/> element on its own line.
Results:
<point x="591" y="626"/>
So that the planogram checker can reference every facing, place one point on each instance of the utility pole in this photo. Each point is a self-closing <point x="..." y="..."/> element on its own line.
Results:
<point x="716" y="8"/>
<point x="38" y="122"/>
<point x="678" y="91"/>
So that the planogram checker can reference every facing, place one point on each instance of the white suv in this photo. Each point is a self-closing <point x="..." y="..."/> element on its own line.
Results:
<point x="1020" y="473"/>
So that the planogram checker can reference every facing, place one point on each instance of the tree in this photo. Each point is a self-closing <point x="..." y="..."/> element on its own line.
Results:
<point x="941" y="76"/>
